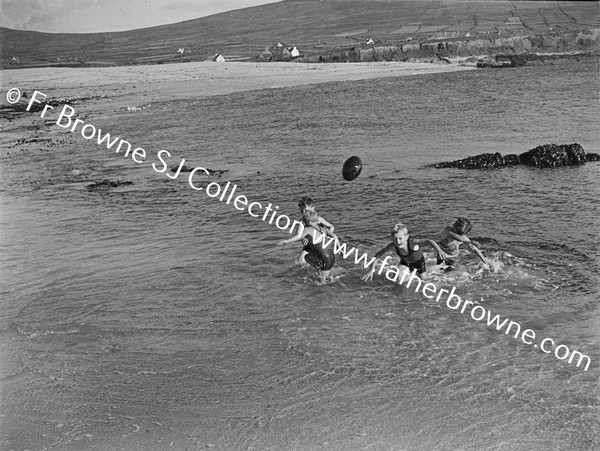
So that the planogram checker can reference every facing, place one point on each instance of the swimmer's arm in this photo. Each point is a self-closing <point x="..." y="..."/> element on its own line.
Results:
<point x="477" y="252"/>
<point x="386" y="249"/>
<point x="471" y="244"/>
<point x="327" y="232"/>
<point x="325" y="223"/>
<point x="331" y="234"/>
<point x="457" y="237"/>
<point x="438" y="249"/>
<point x="298" y="237"/>
<point x="369" y="275"/>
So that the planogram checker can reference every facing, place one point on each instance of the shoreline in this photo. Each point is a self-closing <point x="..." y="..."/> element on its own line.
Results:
<point x="135" y="85"/>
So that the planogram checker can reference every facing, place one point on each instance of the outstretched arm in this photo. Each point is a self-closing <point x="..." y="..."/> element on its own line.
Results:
<point x="326" y="223"/>
<point x="298" y="237"/>
<point x="473" y="245"/>
<point x="369" y="275"/>
<point x="457" y="237"/>
<point x="477" y="252"/>
<point x="438" y="249"/>
<point x="331" y="234"/>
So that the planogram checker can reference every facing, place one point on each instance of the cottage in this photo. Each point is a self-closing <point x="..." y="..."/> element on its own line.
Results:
<point x="280" y="52"/>
<point x="219" y="58"/>
<point x="267" y="54"/>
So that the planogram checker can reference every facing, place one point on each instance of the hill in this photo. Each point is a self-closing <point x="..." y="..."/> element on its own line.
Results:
<point x="316" y="28"/>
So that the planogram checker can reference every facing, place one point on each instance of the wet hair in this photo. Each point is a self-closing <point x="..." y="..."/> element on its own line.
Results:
<point x="305" y="202"/>
<point x="309" y="216"/>
<point x="462" y="226"/>
<point x="399" y="227"/>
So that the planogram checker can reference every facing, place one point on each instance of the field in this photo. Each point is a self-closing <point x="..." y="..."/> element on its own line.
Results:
<point x="314" y="27"/>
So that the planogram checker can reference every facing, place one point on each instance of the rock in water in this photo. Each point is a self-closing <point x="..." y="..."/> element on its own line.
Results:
<point x="211" y="172"/>
<point x="107" y="184"/>
<point x="483" y="161"/>
<point x="552" y="155"/>
<point x="511" y="160"/>
<point x="545" y="156"/>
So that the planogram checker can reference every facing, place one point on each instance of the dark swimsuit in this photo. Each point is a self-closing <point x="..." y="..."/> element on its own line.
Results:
<point x="322" y="259"/>
<point x="413" y="260"/>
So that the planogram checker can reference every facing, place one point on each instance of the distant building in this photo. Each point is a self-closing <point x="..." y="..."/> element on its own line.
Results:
<point x="370" y="41"/>
<point x="219" y="58"/>
<point x="279" y="52"/>
<point x="267" y="54"/>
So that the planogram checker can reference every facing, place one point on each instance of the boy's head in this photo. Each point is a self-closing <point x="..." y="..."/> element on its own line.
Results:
<point x="306" y="203"/>
<point x="309" y="217"/>
<point x="399" y="233"/>
<point x="462" y="226"/>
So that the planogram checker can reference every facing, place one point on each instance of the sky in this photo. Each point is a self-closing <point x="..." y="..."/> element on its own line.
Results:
<point x="92" y="16"/>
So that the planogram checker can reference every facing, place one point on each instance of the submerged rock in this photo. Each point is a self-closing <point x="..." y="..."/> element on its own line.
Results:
<point x="545" y="156"/>
<point x="107" y="184"/>
<point x="211" y="172"/>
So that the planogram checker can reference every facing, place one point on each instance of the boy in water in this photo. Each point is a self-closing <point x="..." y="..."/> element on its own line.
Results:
<point x="407" y="249"/>
<point x="312" y="237"/>
<point x="452" y="237"/>
<point x="306" y="204"/>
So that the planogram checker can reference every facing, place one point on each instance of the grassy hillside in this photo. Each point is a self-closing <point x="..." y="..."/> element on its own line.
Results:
<point x="313" y="26"/>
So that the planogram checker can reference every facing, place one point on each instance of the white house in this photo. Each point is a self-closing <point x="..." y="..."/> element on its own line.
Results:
<point x="219" y="58"/>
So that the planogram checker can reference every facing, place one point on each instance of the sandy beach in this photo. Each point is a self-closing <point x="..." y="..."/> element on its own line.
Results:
<point x="137" y="85"/>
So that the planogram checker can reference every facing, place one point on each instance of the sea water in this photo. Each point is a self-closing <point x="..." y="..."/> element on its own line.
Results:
<point x="153" y="306"/>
